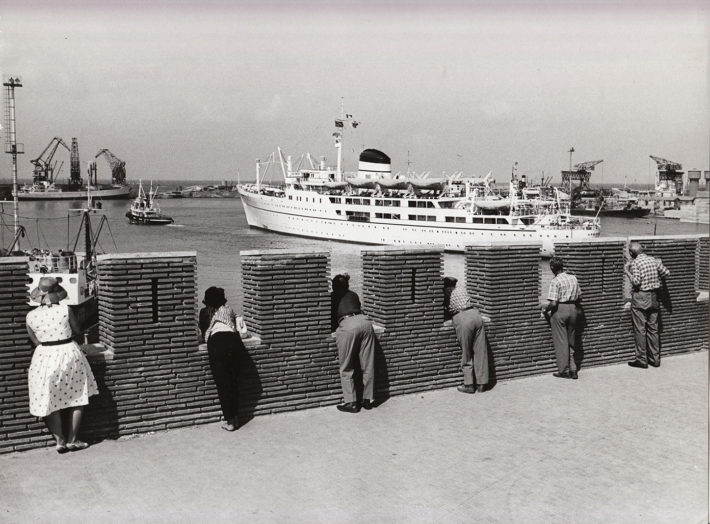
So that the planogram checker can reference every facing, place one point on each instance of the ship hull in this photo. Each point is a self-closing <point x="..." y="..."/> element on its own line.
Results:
<point x="112" y="193"/>
<point x="150" y="221"/>
<point x="318" y="221"/>
<point x="619" y="213"/>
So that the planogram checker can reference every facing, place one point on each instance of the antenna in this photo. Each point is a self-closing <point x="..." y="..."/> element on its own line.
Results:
<point x="11" y="145"/>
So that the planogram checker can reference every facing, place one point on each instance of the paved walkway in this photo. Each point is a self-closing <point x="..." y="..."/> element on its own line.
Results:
<point x="618" y="445"/>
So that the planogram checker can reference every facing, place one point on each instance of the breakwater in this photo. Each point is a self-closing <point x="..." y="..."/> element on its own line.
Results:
<point x="153" y="375"/>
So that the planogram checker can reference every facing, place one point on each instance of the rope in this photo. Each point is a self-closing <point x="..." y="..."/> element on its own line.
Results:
<point x="2" y="212"/>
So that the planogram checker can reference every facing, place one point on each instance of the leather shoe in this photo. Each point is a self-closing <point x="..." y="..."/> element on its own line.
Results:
<point x="655" y="365"/>
<point x="481" y="388"/>
<point x="561" y="375"/>
<point x="348" y="407"/>
<point x="466" y="389"/>
<point x="637" y="364"/>
<point x="573" y="375"/>
<point x="368" y="404"/>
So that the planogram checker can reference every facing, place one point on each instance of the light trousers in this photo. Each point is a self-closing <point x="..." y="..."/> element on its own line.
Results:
<point x="471" y="335"/>
<point x="355" y="336"/>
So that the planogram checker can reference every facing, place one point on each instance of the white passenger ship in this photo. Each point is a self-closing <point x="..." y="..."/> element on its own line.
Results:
<point x="374" y="207"/>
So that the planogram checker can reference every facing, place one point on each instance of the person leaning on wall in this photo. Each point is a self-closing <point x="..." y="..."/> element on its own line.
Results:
<point x="355" y="338"/>
<point x="646" y="275"/>
<point x="563" y="312"/>
<point x="471" y="336"/>
<point x="59" y="380"/>
<point x="219" y="328"/>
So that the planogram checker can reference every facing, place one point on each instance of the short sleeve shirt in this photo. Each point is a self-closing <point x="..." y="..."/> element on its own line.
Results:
<point x="647" y="272"/>
<point x="564" y="288"/>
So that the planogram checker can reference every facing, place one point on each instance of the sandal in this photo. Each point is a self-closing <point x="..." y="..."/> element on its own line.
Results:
<point x="77" y="445"/>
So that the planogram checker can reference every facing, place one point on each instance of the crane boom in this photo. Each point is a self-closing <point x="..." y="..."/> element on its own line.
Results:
<point x="44" y="170"/>
<point x="665" y="165"/>
<point x="118" y="166"/>
<point x="587" y="166"/>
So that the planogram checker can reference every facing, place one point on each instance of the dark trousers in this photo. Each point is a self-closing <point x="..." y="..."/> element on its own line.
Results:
<point x="355" y="336"/>
<point x="471" y="335"/>
<point x="563" y="323"/>
<point x="644" y="316"/>
<point x="223" y="349"/>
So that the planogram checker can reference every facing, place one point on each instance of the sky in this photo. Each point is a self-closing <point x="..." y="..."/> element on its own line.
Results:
<point x="199" y="90"/>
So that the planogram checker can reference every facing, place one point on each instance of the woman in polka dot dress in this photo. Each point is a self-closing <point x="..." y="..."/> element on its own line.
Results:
<point x="60" y="380"/>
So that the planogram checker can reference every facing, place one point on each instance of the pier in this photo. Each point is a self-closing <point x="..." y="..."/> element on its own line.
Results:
<point x="568" y="446"/>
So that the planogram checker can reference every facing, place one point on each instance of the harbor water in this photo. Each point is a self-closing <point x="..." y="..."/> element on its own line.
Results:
<point x="217" y="230"/>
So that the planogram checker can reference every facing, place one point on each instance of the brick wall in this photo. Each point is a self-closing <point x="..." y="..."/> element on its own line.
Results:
<point x="287" y="306"/>
<point x="18" y="429"/>
<point x="153" y="376"/>
<point x="703" y="261"/>
<point x="402" y="291"/>
<point x="504" y="283"/>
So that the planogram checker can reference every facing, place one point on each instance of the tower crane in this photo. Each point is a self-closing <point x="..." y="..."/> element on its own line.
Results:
<point x="118" y="166"/>
<point x="44" y="170"/>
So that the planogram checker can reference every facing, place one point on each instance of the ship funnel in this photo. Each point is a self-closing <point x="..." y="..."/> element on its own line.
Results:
<point x="374" y="164"/>
<point x="322" y="163"/>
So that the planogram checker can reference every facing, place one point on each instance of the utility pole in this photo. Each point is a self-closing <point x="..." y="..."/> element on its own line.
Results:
<point x="11" y="145"/>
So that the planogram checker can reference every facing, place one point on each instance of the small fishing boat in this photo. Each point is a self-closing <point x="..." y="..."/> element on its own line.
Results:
<point x="145" y="211"/>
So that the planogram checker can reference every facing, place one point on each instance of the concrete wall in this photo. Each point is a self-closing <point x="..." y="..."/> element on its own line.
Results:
<point x="153" y="375"/>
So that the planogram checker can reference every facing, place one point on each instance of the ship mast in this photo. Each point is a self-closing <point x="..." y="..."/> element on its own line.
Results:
<point x="11" y="145"/>
<point x="339" y="142"/>
<point x="338" y="134"/>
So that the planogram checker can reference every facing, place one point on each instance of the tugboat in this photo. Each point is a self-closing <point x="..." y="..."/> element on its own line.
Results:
<point x="145" y="211"/>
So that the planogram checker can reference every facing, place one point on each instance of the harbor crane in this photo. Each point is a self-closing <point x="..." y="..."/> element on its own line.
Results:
<point x="118" y="166"/>
<point x="669" y="176"/>
<point x="44" y="169"/>
<point x="666" y="165"/>
<point x="581" y="172"/>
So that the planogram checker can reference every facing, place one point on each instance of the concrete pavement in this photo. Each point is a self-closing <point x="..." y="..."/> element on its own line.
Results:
<point x="617" y="445"/>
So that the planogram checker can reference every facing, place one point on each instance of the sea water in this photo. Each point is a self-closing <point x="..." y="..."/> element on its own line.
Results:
<point x="217" y="230"/>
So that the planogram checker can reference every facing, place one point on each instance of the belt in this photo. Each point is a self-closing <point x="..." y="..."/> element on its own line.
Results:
<point x="348" y="315"/>
<point x="57" y="342"/>
<point x="461" y="310"/>
<point x="568" y="302"/>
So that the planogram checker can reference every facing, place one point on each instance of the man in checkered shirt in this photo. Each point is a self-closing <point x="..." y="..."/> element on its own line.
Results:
<point x="563" y="311"/>
<point x="646" y="275"/>
<point x="471" y="336"/>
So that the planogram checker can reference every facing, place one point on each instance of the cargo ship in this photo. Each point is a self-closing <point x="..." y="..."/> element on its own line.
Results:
<point x="45" y="187"/>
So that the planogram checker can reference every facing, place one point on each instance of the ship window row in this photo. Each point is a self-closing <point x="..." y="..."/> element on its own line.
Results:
<point x="423" y="218"/>
<point x="489" y="220"/>
<point x="358" y="216"/>
<point x="358" y="201"/>
<point x="387" y="215"/>
<point x="420" y="203"/>
<point x="391" y="203"/>
<point x="458" y="220"/>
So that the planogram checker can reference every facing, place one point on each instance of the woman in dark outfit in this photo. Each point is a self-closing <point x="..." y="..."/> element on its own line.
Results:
<point x="218" y="325"/>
